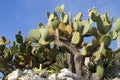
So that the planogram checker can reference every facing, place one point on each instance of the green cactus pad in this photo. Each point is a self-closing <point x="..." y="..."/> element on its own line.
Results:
<point x="61" y="27"/>
<point x="2" y="47"/>
<point x="93" y="31"/>
<point x="68" y="30"/>
<point x="65" y="19"/>
<point x="96" y="55"/>
<point x="78" y="16"/>
<point x="42" y="42"/>
<point x="51" y="17"/>
<point x="44" y="33"/>
<point x="75" y="25"/>
<point x="29" y="49"/>
<point x="19" y="38"/>
<point x="55" y="23"/>
<point x="118" y="41"/>
<point x="106" y="39"/>
<point x="84" y="51"/>
<point x="47" y="14"/>
<point x="100" y="70"/>
<point x="30" y="38"/>
<point x="60" y="9"/>
<point x="22" y="48"/>
<point x="34" y="33"/>
<point x="113" y="34"/>
<point x="3" y="41"/>
<point x="93" y="14"/>
<point x="75" y="38"/>
<point x="103" y="23"/>
<point x="117" y="24"/>
<point x="84" y="27"/>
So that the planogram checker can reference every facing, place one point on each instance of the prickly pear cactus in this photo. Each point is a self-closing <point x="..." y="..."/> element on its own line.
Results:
<point x="64" y="35"/>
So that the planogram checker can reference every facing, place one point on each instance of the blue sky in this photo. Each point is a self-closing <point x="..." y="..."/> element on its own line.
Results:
<point x="25" y="14"/>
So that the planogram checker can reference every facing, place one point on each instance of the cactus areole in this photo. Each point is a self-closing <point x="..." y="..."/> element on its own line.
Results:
<point x="62" y="34"/>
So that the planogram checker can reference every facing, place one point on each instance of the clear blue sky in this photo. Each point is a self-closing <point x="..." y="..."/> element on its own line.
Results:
<point x="25" y="14"/>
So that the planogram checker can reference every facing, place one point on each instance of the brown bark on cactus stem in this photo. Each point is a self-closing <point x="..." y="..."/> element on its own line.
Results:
<point x="73" y="50"/>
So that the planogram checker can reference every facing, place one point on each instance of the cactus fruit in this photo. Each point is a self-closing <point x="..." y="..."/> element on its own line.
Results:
<point x="34" y="33"/>
<point x="44" y="33"/>
<point x="75" y="38"/>
<point x="117" y="24"/>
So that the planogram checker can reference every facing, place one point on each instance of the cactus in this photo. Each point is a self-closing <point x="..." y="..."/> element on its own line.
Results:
<point x="97" y="55"/>
<point x="78" y="16"/>
<point x="118" y="41"/>
<point x="106" y="40"/>
<point x="50" y="29"/>
<point x="65" y="19"/>
<point x="68" y="30"/>
<point x="117" y="24"/>
<point x="84" y="27"/>
<point x="84" y="51"/>
<point x="48" y="45"/>
<point x="113" y="34"/>
<point x="44" y="33"/>
<point x="76" y="25"/>
<point x="103" y="22"/>
<point x="61" y="27"/>
<point x="100" y="70"/>
<point x="55" y="24"/>
<point x="93" y="31"/>
<point x="34" y="33"/>
<point x="76" y="38"/>
<point x="30" y="38"/>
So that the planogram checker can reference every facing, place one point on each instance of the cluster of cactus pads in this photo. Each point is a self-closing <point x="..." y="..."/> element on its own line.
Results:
<point x="64" y="35"/>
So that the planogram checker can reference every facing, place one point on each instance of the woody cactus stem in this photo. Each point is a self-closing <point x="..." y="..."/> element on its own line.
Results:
<point x="70" y="62"/>
<point x="78" y="58"/>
